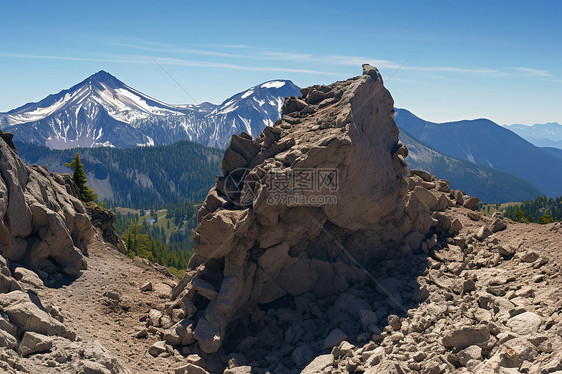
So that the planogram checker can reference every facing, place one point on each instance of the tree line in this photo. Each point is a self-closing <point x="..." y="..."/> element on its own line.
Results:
<point x="141" y="177"/>
<point x="541" y="210"/>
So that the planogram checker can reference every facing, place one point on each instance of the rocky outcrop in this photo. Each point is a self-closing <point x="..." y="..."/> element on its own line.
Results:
<point x="33" y="336"/>
<point x="103" y="219"/>
<point x="306" y="208"/>
<point x="8" y="139"/>
<point x="41" y="223"/>
<point x="44" y="234"/>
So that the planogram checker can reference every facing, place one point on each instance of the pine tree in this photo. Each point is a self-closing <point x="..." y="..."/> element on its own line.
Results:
<point x="79" y="177"/>
<point x="519" y="215"/>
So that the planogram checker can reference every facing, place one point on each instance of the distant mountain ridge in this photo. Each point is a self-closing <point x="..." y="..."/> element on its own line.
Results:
<point x="540" y="134"/>
<point x="103" y="111"/>
<point x="488" y="184"/>
<point x="488" y="144"/>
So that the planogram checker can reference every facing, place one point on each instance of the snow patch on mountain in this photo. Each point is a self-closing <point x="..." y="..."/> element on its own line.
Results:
<point x="273" y="84"/>
<point x="103" y="111"/>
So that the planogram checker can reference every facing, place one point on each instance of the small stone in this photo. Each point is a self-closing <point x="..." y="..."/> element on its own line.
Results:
<point x="146" y="287"/>
<point x="7" y="340"/>
<point x="154" y="316"/>
<point x="483" y="233"/>
<point x="469" y="285"/>
<point x="505" y="251"/>
<point x="195" y="359"/>
<point x="498" y="225"/>
<point x="473" y="352"/>
<point x="525" y="323"/>
<point x="157" y="349"/>
<point x="190" y="369"/>
<point x="302" y="355"/>
<point x="28" y="277"/>
<point x="142" y="334"/>
<point x="470" y="202"/>
<point x="113" y="295"/>
<point x="530" y="256"/>
<point x="6" y="326"/>
<point x="456" y="226"/>
<point x="171" y="337"/>
<point x="465" y="336"/>
<point x="34" y="343"/>
<point x="474" y="215"/>
<point x="344" y="349"/>
<point x="419" y="356"/>
<point x="394" y="322"/>
<point x="516" y="351"/>
<point x="204" y="288"/>
<point x="166" y="321"/>
<point x="368" y="318"/>
<point x="334" y="338"/>
<point x="318" y="364"/>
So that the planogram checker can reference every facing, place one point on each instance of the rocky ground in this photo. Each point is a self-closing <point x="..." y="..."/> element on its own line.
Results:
<point x="487" y="300"/>
<point x="475" y="306"/>
<point x="101" y="311"/>
<point x="493" y="306"/>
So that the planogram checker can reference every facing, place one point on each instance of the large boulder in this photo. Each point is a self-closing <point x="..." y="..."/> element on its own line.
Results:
<point x="306" y="206"/>
<point x="26" y="312"/>
<point x="42" y="223"/>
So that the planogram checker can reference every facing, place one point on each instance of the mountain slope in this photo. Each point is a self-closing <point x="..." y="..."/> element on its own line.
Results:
<point x="103" y="111"/>
<point x="488" y="184"/>
<point x="485" y="143"/>
<point x="553" y="151"/>
<point x="139" y="177"/>
<point x="540" y="134"/>
<point x="99" y="111"/>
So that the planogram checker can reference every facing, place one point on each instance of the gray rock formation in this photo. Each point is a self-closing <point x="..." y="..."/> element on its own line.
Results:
<point x="41" y="223"/>
<point x="33" y="337"/>
<point x="306" y="207"/>
<point x="44" y="226"/>
<point x="103" y="219"/>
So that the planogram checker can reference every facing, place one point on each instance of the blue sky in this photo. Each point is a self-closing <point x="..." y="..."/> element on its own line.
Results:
<point x="443" y="60"/>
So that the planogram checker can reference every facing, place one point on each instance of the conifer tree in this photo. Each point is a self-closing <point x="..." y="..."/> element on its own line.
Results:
<point x="79" y="177"/>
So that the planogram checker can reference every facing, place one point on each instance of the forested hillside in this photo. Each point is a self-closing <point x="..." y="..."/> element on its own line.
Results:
<point x="139" y="177"/>
<point x="541" y="210"/>
<point x="164" y="236"/>
<point x="488" y="184"/>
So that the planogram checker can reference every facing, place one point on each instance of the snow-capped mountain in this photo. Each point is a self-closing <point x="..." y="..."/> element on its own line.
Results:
<point x="213" y="125"/>
<point x="103" y="111"/>
<point x="253" y="109"/>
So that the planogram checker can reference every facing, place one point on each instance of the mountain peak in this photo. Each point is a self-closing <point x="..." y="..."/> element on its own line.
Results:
<point x="103" y="76"/>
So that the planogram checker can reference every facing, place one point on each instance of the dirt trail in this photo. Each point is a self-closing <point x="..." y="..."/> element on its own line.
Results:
<point x="114" y="324"/>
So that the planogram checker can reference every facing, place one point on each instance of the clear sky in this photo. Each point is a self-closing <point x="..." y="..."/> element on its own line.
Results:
<point x="443" y="60"/>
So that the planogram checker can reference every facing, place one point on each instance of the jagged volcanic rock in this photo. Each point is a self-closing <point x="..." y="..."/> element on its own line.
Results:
<point x="42" y="223"/>
<point x="305" y="208"/>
